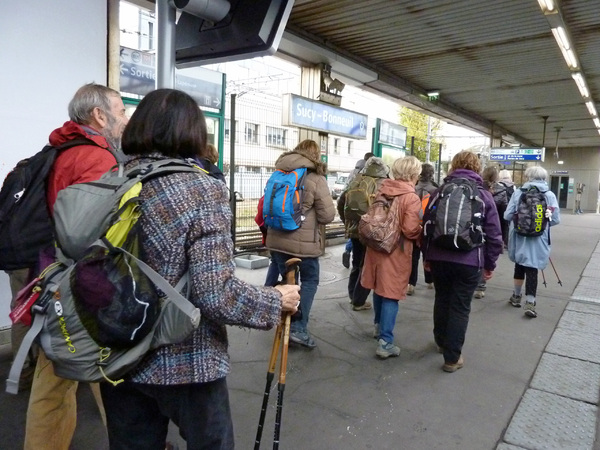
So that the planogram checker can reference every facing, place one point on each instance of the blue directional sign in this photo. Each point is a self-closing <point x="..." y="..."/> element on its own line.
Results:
<point x="138" y="75"/>
<point x="306" y="113"/>
<point x="517" y="154"/>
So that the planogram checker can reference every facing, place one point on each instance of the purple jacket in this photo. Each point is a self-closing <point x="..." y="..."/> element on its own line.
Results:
<point x="484" y="256"/>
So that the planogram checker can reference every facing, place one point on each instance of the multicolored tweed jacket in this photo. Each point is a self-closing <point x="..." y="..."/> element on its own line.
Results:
<point x="186" y="222"/>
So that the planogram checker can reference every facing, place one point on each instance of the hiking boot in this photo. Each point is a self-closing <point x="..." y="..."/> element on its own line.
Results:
<point x="387" y="349"/>
<point x="364" y="307"/>
<point x="479" y="294"/>
<point x="346" y="259"/>
<point x="447" y="367"/>
<point x="410" y="290"/>
<point x="376" y="331"/>
<point x="302" y="338"/>
<point x="515" y="300"/>
<point x="529" y="309"/>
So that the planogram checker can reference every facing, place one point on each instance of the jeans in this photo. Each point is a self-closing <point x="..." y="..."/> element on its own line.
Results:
<point x="309" y="281"/>
<point x="357" y="293"/>
<point x="52" y="409"/>
<point x="386" y="311"/>
<point x="272" y="274"/>
<point x="414" y="273"/>
<point x="454" y="287"/>
<point x="138" y="415"/>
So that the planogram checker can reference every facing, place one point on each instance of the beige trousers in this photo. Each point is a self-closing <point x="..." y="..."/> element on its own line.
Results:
<point x="52" y="410"/>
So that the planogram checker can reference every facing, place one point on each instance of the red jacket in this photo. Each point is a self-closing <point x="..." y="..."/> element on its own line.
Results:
<point x="78" y="164"/>
<point x="260" y="220"/>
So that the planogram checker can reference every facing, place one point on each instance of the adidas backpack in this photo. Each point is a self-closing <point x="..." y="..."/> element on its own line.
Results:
<point x="99" y="309"/>
<point x="456" y="214"/>
<point x="284" y="193"/>
<point x="530" y="216"/>
<point x="359" y="196"/>
<point x="25" y="224"/>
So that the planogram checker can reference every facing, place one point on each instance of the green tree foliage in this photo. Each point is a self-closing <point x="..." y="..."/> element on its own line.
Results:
<point x="416" y="124"/>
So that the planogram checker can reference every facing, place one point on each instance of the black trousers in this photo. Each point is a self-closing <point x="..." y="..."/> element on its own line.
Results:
<point x="530" y="275"/>
<point x="137" y="415"/>
<point x="454" y="287"/>
<point x="357" y="293"/>
<point x="414" y="273"/>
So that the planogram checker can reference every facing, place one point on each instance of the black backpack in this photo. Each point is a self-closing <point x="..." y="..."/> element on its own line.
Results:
<point x="455" y="216"/>
<point x="502" y="194"/>
<point x="530" y="218"/>
<point x="25" y="223"/>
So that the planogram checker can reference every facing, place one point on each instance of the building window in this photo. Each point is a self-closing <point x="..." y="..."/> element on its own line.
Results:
<point x="227" y="129"/>
<point x="350" y="147"/>
<point x="336" y="146"/>
<point x="276" y="137"/>
<point x="251" y="133"/>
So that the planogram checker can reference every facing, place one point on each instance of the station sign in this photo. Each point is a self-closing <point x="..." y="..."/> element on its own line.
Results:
<point x="392" y="134"/>
<point x="138" y="76"/>
<point x="315" y="115"/>
<point x="517" y="154"/>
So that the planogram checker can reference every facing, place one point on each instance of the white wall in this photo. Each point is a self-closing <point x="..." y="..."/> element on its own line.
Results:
<point x="49" y="49"/>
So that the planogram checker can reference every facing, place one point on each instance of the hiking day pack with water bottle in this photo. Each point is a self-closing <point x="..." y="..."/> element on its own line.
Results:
<point x="284" y="192"/>
<point x="455" y="216"/>
<point x="530" y="217"/>
<point x="98" y="309"/>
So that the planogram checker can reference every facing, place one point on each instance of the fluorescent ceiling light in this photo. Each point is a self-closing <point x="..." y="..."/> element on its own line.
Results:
<point x="546" y="5"/>
<point x="561" y="37"/>
<point x="597" y="122"/>
<point x="561" y="162"/>
<point x="583" y="90"/>
<point x="591" y="108"/>
<point x="569" y="58"/>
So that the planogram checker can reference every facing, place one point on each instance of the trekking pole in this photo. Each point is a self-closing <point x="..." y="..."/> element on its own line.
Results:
<point x="270" y="376"/>
<point x="292" y="268"/>
<point x="555" y="272"/>
<point x="283" y="331"/>
<point x="544" y="278"/>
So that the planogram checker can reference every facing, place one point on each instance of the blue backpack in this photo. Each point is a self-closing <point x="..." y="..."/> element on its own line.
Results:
<point x="282" y="209"/>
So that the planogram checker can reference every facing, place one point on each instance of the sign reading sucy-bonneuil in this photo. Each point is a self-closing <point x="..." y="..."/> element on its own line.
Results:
<point x="306" y="113"/>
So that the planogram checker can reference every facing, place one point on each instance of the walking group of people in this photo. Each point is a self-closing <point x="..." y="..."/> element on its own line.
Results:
<point x="185" y="228"/>
<point x="458" y="272"/>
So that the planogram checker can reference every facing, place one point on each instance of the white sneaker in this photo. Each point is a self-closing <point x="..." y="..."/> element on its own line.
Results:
<point x="410" y="290"/>
<point x="387" y="349"/>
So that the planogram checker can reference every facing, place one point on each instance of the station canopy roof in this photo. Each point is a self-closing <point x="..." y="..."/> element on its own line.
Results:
<point x="496" y="64"/>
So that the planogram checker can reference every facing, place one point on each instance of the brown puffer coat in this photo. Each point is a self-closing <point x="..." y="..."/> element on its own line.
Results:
<point x="318" y="209"/>
<point x="387" y="274"/>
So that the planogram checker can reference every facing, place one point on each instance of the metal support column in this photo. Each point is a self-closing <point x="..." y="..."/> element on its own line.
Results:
<point x="165" y="49"/>
<point x="232" y="196"/>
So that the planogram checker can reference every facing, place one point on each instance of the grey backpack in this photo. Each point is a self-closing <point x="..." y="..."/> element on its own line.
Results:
<point x="456" y="215"/>
<point x="101" y="308"/>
